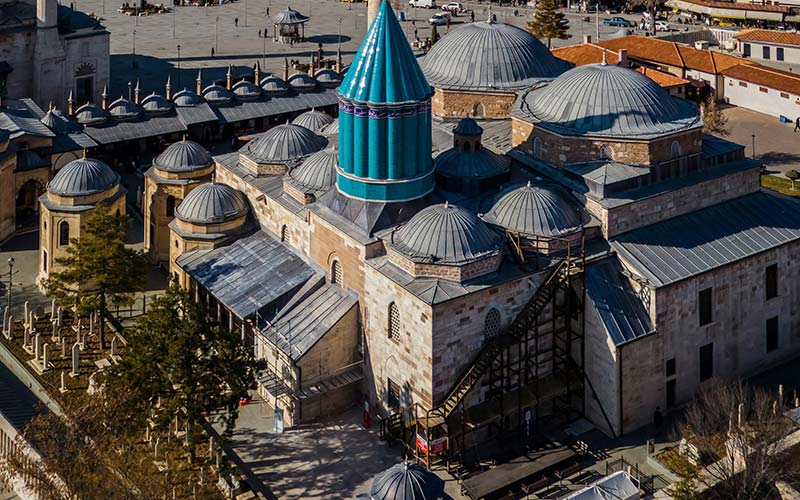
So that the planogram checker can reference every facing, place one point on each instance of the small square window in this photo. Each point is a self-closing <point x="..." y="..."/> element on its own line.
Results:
<point x="772" y="334"/>
<point x="763" y="89"/>
<point x="784" y="95"/>
<point x="670" y="367"/>
<point x="743" y="84"/>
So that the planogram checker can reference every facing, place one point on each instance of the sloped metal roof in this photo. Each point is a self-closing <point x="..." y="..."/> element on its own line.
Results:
<point x="289" y="16"/>
<point x="314" y="120"/>
<point x="284" y="143"/>
<point x="83" y="177"/>
<point x="212" y="203"/>
<point x="21" y="117"/>
<point x="90" y="114"/>
<point x="274" y="85"/>
<point x="384" y="70"/>
<point x="619" y="308"/>
<point x="704" y="240"/>
<point x="609" y="101"/>
<point x="301" y="81"/>
<point x="490" y="56"/>
<point x="60" y="124"/>
<point x="446" y="234"/>
<point x="137" y="128"/>
<point x="470" y="164"/>
<point x="406" y="481"/>
<point x="467" y="126"/>
<point x="18" y="404"/>
<point x="183" y="156"/>
<point x="186" y="98"/>
<point x="123" y="109"/>
<point x="30" y="160"/>
<point x="537" y="210"/>
<point x="318" y="172"/>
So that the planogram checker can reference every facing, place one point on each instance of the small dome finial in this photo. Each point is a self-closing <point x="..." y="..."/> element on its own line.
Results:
<point x="184" y="137"/>
<point x="84" y="153"/>
<point x="491" y="19"/>
<point x="446" y="204"/>
<point x="604" y="63"/>
<point x="529" y="183"/>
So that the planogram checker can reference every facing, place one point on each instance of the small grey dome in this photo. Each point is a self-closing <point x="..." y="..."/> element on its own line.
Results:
<point x="609" y="101"/>
<point x="83" y="177"/>
<point x="313" y="120"/>
<point x="246" y="91"/>
<point x="301" y="81"/>
<point x="289" y="16"/>
<point x="318" y="172"/>
<point x="123" y="109"/>
<point x="331" y="129"/>
<point x="212" y="203"/>
<point x="155" y="104"/>
<point x="446" y="234"/>
<point x="535" y="210"/>
<point x="468" y="126"/>
<point x="284" y="144"/>
<point x="216" y="94"/>
<point x="89" y="114"/>
<point x="328" y="77"/>
<point x="183" y="156"/>
<point x="489" y="56"/>
<point x="186" y="98"/>
<point x="406" y="482"/>
<point x="470" y="164"/>
<point x="274" y="85"/>
<point x="58" y="123"/>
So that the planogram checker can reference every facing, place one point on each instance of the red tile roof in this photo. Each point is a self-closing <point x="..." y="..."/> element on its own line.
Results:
<point x="770" y="36"/>
<point x="739" y="6"/>
<point x="767" y="77"/>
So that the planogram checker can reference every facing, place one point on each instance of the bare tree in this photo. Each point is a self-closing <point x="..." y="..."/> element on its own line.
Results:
<point x="651" y="7"/>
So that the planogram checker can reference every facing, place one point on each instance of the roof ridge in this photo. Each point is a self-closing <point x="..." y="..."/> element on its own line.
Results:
<point x="767" y="69"/>
<point x="680" y="56"/>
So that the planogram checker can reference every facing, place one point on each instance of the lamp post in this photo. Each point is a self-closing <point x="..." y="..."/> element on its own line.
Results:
<point x="179" y="65"/>
<point x="216" y="35"/>
<point x="754" y="146"/>
<point x="10" y="275"/>
<point x="245" y="13"/>
<point x="340" y="36"/>
<point x="174" y="13"/>
<point x="133" y="56"/>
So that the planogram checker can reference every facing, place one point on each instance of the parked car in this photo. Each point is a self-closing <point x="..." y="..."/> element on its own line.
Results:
<point x="440" y="19"/>
<point x="619" y="22"/>
<point x="453" y="7"/>
<point x="427" y="4"/>
<point x="660" y="26"/>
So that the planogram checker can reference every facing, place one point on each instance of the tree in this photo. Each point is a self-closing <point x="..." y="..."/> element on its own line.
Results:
<point x="548" y="22"/>
<point x="651" y="7"/>
<point x="793" y="175"/>
<point x="712" y="424"/>
<point x="714" y="122"/>
<point x="99" y="270"/>
<point x="180" y="360"/>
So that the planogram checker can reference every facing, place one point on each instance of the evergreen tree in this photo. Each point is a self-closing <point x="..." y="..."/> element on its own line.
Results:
<point x="714" y="122"/>
<point x="548" y="22"/>
<point x="99" y="270"/>
<point x="182" y="361"/>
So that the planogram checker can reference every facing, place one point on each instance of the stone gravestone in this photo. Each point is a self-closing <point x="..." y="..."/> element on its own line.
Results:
<point x="45" y="357"/>
<point x="76" y="354"/>
<point x="63" y="382"/>
<point x="52" y="309"/>
<point x="37" y="347"/>
<point x="5" y="318"/>
<point x="63" y="347"/>
<point x="10" y="326"/>
<point x="114" y="346"/>
<point x="27" y="316"/>
<point x="60" y="322"/>
<point x="54" y="335"/>
<point x="26" y="337"/>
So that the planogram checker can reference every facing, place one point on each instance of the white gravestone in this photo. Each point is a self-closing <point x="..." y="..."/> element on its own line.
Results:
<point x="76" y="354"/>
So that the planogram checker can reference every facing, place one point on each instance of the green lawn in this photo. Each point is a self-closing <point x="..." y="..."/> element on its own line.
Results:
<point x="780" y="184"/>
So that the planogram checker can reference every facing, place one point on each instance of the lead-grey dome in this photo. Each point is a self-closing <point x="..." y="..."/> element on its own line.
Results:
<point x="328" y="77"/>
<point x="318" y="172"/>
<point x="489" y="56"/>
<point x="467" y="126"/>
<point x="83" y="177"/>
<point x="90" y="114"/>
<point x="446" y="234"/>
<point x="212" y="203"/>
<point x="331" y="129"/>
<point x="478" y="164"/>
<point x="186" y="98"/>
<point x="123" y="109"/>
<point x="156" y="104"/>
<point x="246" y="91"/>
<point x="216" y="94"/>
<point x="58" y="123"/>
<point x="274" y="85"/>
<point x="609" y="101"/>
<point x="183" y="156"/>
<point x="535" y="210"/>
<point x="284" y="144"/>
<point x="302" y="82"/>
<point x="313" y="120"/>
<point x="406" y="482"/>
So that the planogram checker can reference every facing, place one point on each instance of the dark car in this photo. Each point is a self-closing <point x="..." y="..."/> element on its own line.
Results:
<point x="619" y="22"/>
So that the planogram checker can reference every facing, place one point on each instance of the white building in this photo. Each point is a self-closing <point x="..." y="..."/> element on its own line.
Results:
<point x="766" y="90"/>
<point x="769" y="45"/>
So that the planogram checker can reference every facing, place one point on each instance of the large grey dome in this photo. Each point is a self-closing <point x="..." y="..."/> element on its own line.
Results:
<point x="608" y="101"/>
<point x="90" y="114"/>
<point x="470" y="164"/>
<point x="535" y="210"/>
<point x="489" y="56"/>
<point x="212" y="203"/>
<point x="406" y="482"/>
<point x="123" y="109"/>
<point x="318" y="172"/>
<point x="83" y="177"/>
<point x="186" y="98"/>
<point x="446" y="234"/>
<point x="284" y="144"/>
<point x="183" y="156"/>
<point x="313" y="120"/>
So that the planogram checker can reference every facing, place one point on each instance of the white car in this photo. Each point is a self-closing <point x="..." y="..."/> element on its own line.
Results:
<point x="660" y="26"/>
<point x="440" y="19"/>
<point x="428" y="4"/>
<point x="453" y="7"/>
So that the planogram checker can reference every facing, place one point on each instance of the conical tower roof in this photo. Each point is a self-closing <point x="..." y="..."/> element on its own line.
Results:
<point x="385" y="70"/>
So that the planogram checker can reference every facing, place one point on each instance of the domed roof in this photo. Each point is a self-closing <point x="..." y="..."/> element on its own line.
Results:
<point x="155" y="104"/>
<point x="283" y="144"/>
<point x="216" y="94"/>
<point x="212" y="203"/>
<point x="328" y="77"/>
<point x="58" y="123"/>
<point x="489" y="56"/>
<point x="468" y="126"/>
<point x="274" y="85"/>
<point x="608" y="100"/>
<point x="183" y="156"/>
<point x="536" y="210"/>
<point x="301" y="81"/>
<point x="331" y="129"/>
<point x="313" y="120"/>
<point x="318" y="172"/>
<point x="245" y="90"/>
<point x="470" y="164"/>
<point x="446" y="234"/>
<point x="90" y="114"/>
<point x="186" y="98"/>
<point x="83" y="177"/>
<point x="406" y="481"/>
<point x="123" y="109"/>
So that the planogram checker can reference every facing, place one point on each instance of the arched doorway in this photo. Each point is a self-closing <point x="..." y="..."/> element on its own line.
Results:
<point x="28" y="203"/>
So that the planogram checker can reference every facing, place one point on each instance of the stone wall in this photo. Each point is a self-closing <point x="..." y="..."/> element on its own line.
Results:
<point x="8" y="196"/>
<point x="600" y="365"/>
<point x="458" y="104"/>
<point x="16" y="48"/>
<point x="641" y="366"/>
<point x="449" y="272"/>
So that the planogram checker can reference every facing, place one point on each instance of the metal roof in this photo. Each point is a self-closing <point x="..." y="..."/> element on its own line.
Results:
<point x="186" y="98"/>
<point x="123" y="109"/>
<point x="318" y="172"/>
<point x="704" y="240"/>
<point x="183" y="156"/>
<point x="301" y="81"/>
<point x="446" y="234"/>
<point x="216" y="94"/>
<point x="327" y="76"/>
<point x="274" y="85"/>
<point x="384" y="70"/>
<point x="467" y="126"/>
<point x="536" y="210"/>
<point x="138" y="128"/>
<point x="90" y="114"/>
<point x="212" y="203"/>
<point x="331" y="129"/>
<point x="490" y="56"/>
<point x="314" y="120"/>
<point x="194" y="114"/>
<point x="83" y="177"/>
<point x="245" y="90"/>
<point x="406" y="481"/>
<point x="60" y="124"/>
<point x="471" y="164"/>
<point x="289" y="16"/>
<point x="248" y="275"/>
<point x="29" y="160"/>
<point x="156" y="104"/>
<point x="609" y="101"/>
<point x="615" y="301"/>
<point x="284" y="143"/>
<point x="20" y="117"/>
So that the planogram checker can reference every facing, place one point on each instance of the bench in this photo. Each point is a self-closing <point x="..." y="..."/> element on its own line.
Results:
<point x="568" y="471"/>
<point x="509" y="496"/>
<point x="529" y="488"/>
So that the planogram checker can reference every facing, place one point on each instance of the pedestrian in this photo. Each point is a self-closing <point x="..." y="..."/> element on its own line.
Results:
<point x="259" y="33"/>
<point x="236" y="22"/>
<point x="414" y="23"/>
<point x="472" y="16"/>
<point x="516" y="13"/>
<point x="797" y="124"/>
<point x="212" y="52"/>
<point x="658" y="420"/>
<point x="448" y="24"/>
<point x="415" y="33"/>
<point x="267" y="11"/>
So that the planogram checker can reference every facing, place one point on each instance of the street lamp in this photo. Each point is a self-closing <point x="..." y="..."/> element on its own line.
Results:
<point x="133" y="56"/>
<point x="10" y="275"/>
<point x="174" y="13"/>
<point x="754" y="146"/>
<point x="216" y="35"/>
<point x="340" y="36"/>
<point x="179" y="65"/>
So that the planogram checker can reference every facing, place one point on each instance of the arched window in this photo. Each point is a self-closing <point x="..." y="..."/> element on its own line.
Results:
<point x="675" y="150"/>
<point x="116" y="213"/>
<point x="337" y="277"/>
<point x="63" y="233"/>
<point x="467" y="147"/>
<point x="394" y="322"/>
<point x="477" y="110"/>
<point x="170" y="206"/>
<point x="491" y="325"/>
<point x="285" y="234"/>
<point x="537" y="148"/>
<point x="606" y="153"/>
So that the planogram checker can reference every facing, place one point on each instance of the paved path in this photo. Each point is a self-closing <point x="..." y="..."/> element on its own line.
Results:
<point x="775" y="143"/>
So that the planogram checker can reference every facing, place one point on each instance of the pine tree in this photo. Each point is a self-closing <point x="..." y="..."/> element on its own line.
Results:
<point x="548" y="22"/>
<point x="99" y="270"/>
<point x="714" y="122"/>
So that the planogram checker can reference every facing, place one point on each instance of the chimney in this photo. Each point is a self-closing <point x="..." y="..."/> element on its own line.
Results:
<point x="311" y="67"/>
<point x="136" y="93"/>
<point x="70" y="104"/>
<point x="285" y="69"/>
<point x="168" y="93"/>
<point x="339" y="61"/>
<point x="104" y="96"/>
<point x="257" y="74"/>
<point x="587" y="38"/>
<point x="229" y="79"/>
<point x="199" y="87"/>
<point x="46" y="13"/>
<point x="623" y="58"/>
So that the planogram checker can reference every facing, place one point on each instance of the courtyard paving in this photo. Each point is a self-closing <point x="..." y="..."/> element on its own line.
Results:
<point x="776" y="143"/>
